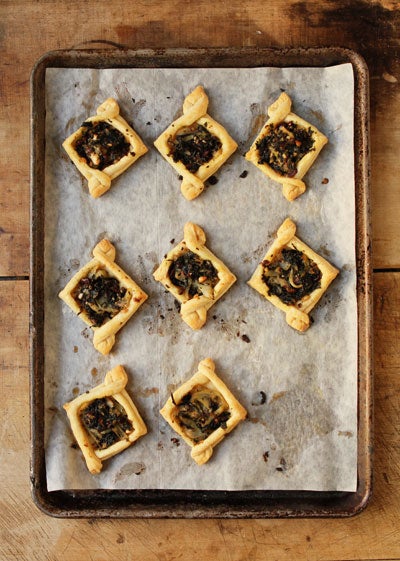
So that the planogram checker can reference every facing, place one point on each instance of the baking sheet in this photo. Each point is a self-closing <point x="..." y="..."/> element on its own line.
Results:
<point x="305" y="434"/>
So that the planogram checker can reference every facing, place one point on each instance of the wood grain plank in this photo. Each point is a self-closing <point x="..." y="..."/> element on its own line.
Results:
<point x="27" y="534"/>
<point x="28" y="29"/>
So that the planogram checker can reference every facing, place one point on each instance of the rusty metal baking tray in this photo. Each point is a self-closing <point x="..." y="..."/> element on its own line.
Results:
<point x="201" y="504"/>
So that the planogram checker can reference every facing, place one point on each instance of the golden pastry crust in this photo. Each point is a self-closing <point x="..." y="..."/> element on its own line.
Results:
<point x="195" y="112"/>
<point x="99" y="181"/>
<point x="194" y="309"/>
<point x="280" y="112"/>
<point x="206" y="378"/>
<point x="113" y="386"/>
<point x="297" y="314"/>
<point x="104" y="260"/>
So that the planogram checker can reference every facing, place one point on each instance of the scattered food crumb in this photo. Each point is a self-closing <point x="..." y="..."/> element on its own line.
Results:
<point x="243" y="174"/>
<point x="175" y="441"/>
<point x="266" y="456"/>
<point x="172" y="241"/>
<point x="389" y="77"/>
<point x="75" y="349"/>
<point x="245" y="338"/>
<point x="325" y="181"/>
<point x="93" y="371"/>
<point x="282" y="466"/>
<point x="212" y="180"/>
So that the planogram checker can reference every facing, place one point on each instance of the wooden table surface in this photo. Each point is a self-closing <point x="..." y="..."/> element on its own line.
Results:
<point x="29" y="28"/>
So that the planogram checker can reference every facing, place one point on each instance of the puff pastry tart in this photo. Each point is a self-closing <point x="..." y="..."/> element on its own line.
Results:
<point x="195" y="144"/>
<point x="292" y="276"/>
<point x="105" y="420"/>
<point x="103" y="147"/>
<point x="194" y="275"/>
<point x="203" y="411"/>
<point x="286" y="147"/>
<point x="103" y="295"/>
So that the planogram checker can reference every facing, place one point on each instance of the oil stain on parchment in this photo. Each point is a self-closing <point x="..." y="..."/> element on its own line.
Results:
<point x="296" y="416"/>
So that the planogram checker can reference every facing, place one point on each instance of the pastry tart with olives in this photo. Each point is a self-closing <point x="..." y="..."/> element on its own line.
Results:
<point x="194" y="275"/>
<point x="286" y="147"/>
<point x="103" y="147"/>
<point x="104" y="420"/>
<point x="203" y="411"/>
<point x="103" y="296"/>
<point x="195" y="145"/>
<point x="292" y="276"/>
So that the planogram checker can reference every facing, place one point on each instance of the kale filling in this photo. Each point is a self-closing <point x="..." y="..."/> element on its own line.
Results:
<point x="100" y="296"/>
<point x="193" y="274"/>
<point x="283" y="146"/>
<point x="193" y="146"/>
<point x="101" y="144"/>
<point x="291" y="276"/>
<point x="106" y="422"/>
<point x="202" y="411"/>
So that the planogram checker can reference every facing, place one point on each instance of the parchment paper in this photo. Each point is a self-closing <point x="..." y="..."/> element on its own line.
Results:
<point x="300" y="390"/>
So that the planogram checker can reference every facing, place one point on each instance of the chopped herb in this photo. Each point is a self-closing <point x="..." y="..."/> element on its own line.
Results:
<point x="291" y="275"/>
<point x="193" y="146"/>
<point x="100" y="296"/>
<point x="202" y="411"/>
<point x="106" y="422"/>
<point x="283" y="146"/>
<point x="193" y="274"/>
<point x="101" y="144"/>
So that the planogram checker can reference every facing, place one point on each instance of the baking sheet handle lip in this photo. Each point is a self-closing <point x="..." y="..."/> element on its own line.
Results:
<point x="364" y="283"/>
<point x="36" y="294"/>
<point x="124" y="56"/>
<point x="184" y="504"/>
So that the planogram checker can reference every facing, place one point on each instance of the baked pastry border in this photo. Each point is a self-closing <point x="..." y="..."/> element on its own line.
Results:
<point x="195" y="111"/>
<point x="278" y="112"/>
<point x="194" y="310"/>
<point x="99" y="181"/>
<point x="201" y="452"/>
<point x="104" y="256"/>
<point x="113" y="386"/>
<point x="297" y="315"/>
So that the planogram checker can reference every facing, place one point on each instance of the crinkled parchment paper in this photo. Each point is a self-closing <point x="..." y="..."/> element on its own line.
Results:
<point x="300" y="390"/>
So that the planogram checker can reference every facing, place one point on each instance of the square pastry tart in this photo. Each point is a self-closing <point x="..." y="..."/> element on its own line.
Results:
<point x="194" y="275"/>
<point x="203" y="411"/>
<point x="103" y="147"/>
<point x="103" y="295"/>
<point x="292" y="276"/>
<point x="104" y="420"/>
<point x="195" y="145"/>
<point x="286" y="147"/>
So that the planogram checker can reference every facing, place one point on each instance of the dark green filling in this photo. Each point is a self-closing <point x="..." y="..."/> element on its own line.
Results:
<point x="193" y="146"/>
<point x="193" y="274"/>
<point x="201" y="412"/>
<point x="106" y="422"/>
<point x="291" y="276"/>
<point x="101" y="144"/>
<point x="283" y="146"/>
<point x="100" y="296"/>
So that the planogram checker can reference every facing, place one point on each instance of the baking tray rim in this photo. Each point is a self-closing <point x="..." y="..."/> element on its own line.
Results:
<point x="155" y="503"/>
